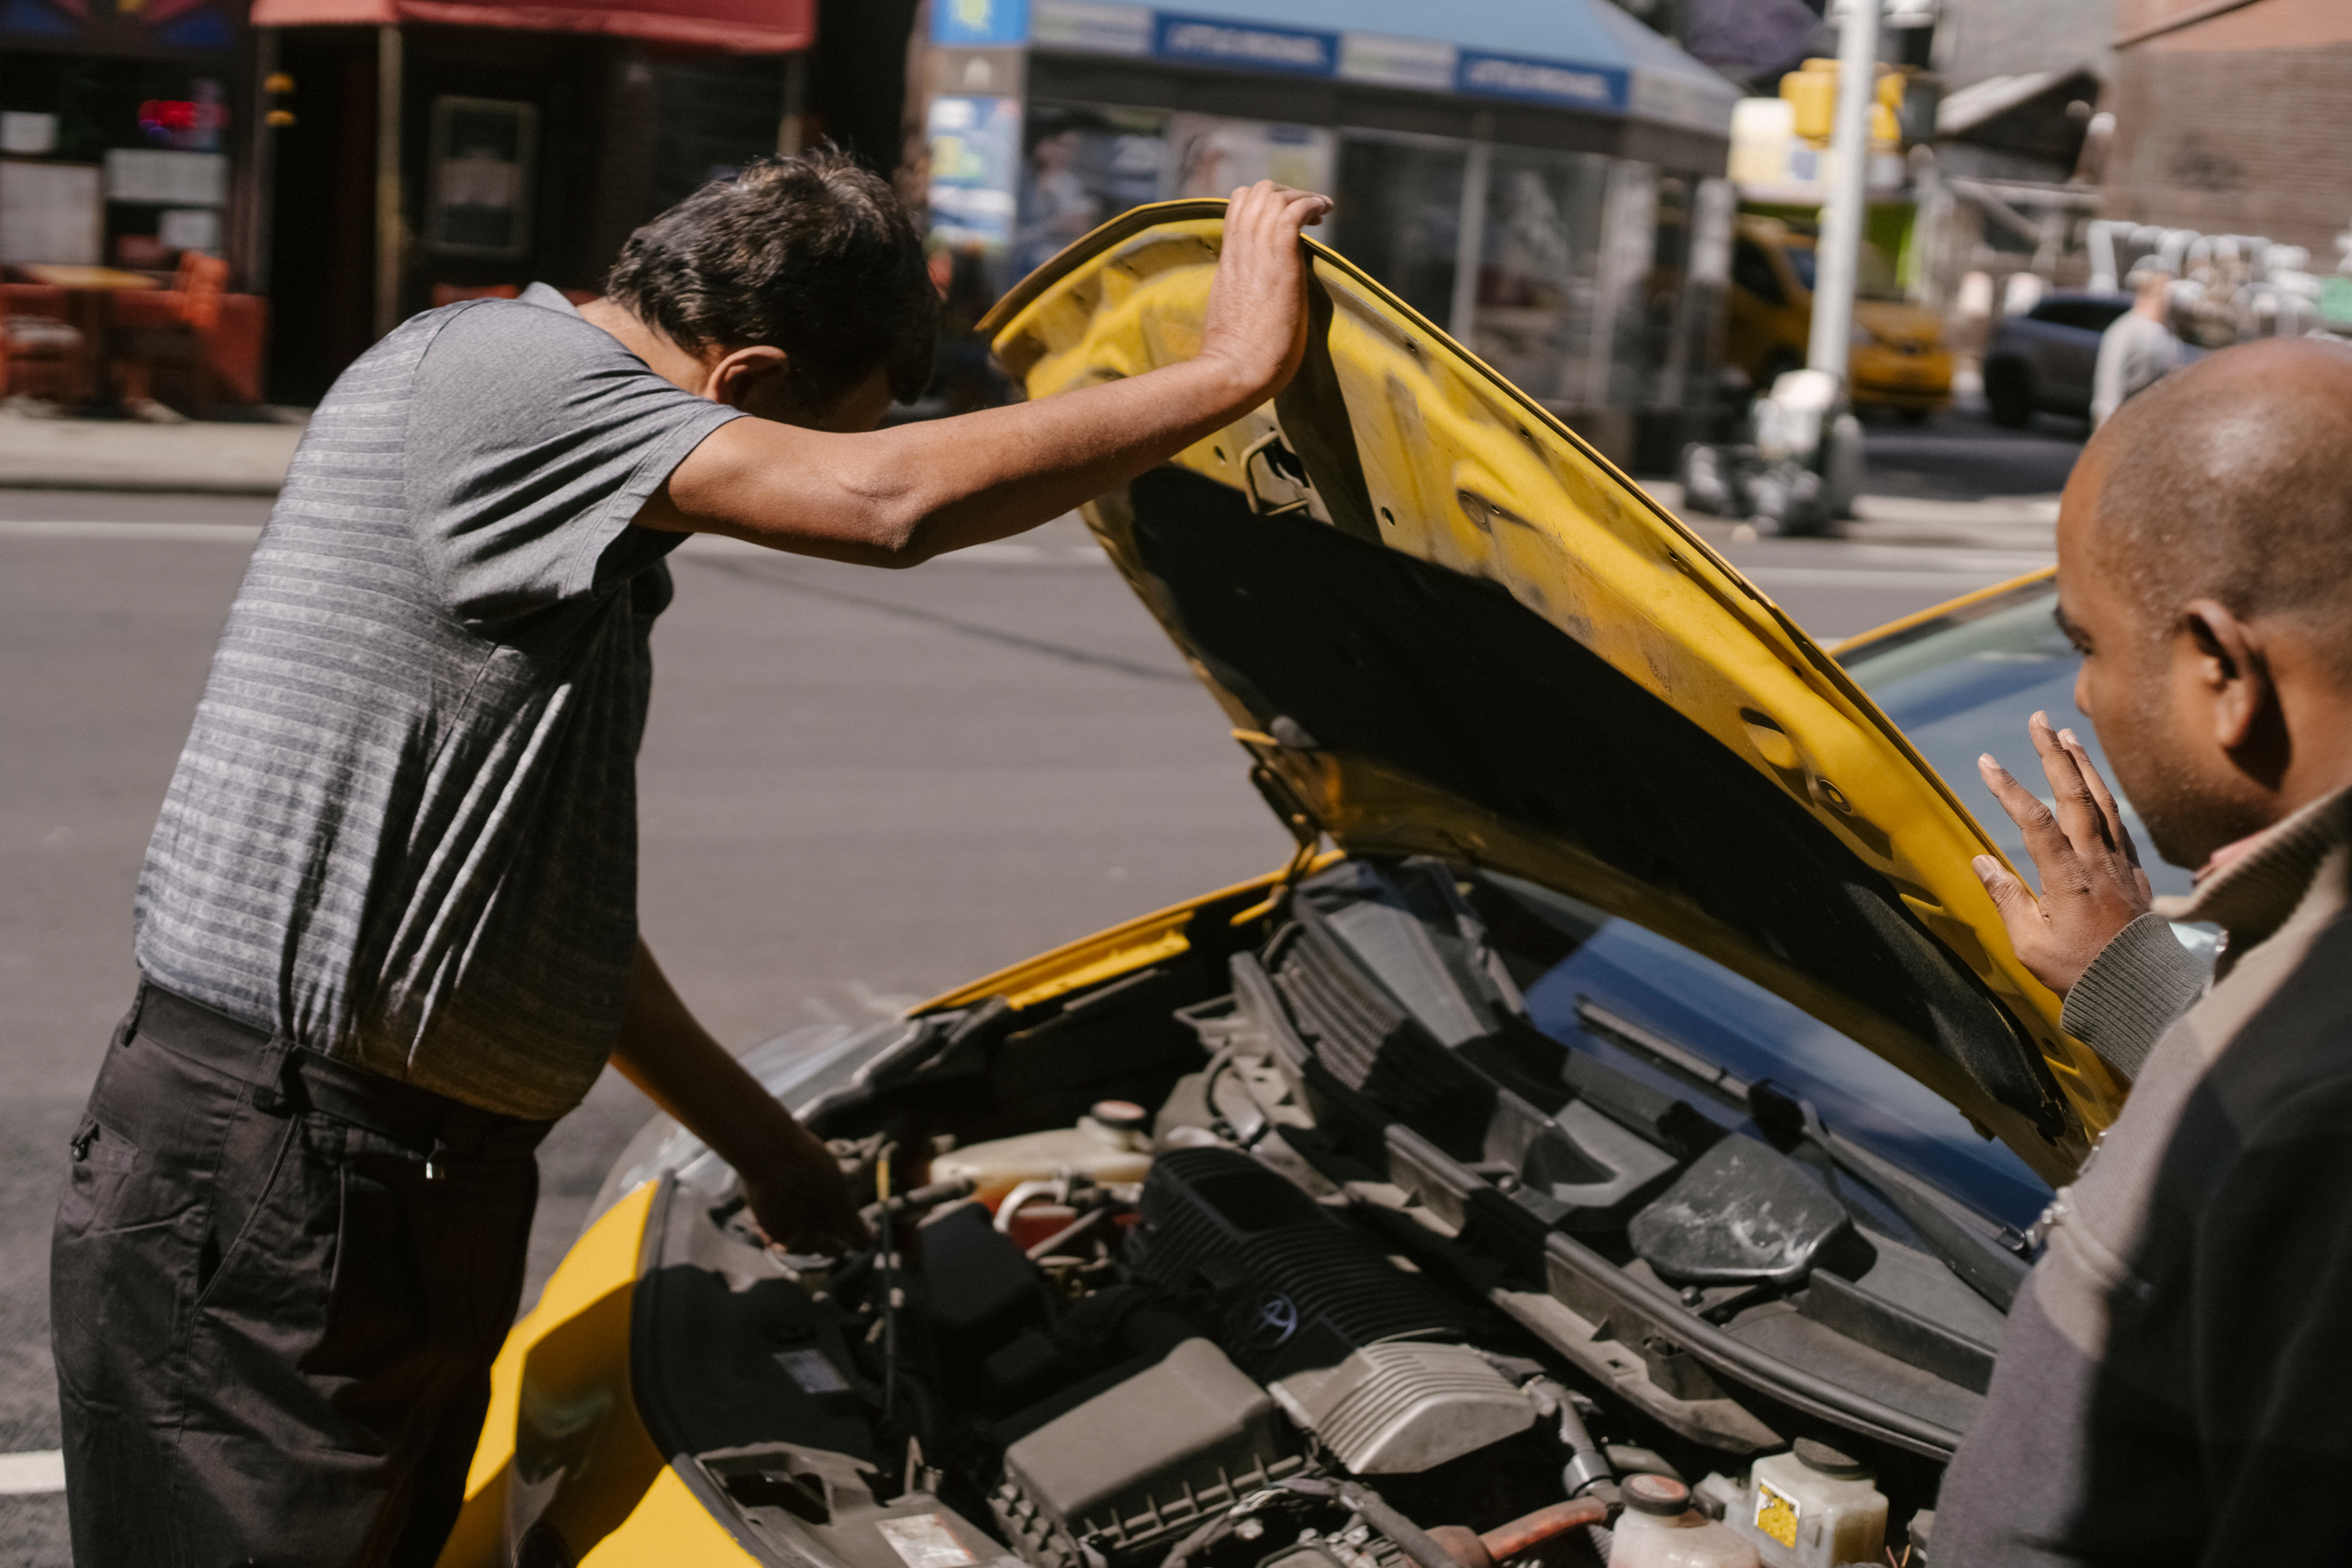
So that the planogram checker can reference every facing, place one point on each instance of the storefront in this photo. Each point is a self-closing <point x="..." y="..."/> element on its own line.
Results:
<point x="125" y="141"/>
<point x="435" y="149"/>
<point x="121" y="129"/>
<point x="1541" y="178"/>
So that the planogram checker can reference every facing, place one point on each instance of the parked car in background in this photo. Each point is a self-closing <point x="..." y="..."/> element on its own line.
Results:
<point x="1627" y="1078"/>
<point x="1898" y="361"/>
<point x="2042" y="360"/>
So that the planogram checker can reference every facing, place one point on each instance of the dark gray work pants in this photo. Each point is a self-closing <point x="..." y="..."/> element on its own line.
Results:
<point x="276" y="1286"/>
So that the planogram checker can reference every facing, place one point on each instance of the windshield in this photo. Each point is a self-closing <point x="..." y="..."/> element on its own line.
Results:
<point x="1965" y="685"/>
<point x="1958" y="686"/>
<point x="1610" y="988"/>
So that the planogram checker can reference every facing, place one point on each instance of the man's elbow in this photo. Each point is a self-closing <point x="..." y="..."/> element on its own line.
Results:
<point x="907" y="541"/>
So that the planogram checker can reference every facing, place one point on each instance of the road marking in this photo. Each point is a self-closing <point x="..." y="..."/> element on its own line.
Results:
<point x="188" y="532"/>
<point x="42" y="1470"/>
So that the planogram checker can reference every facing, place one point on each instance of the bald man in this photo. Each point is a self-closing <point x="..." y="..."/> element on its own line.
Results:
<point x="2175" y="1384"/>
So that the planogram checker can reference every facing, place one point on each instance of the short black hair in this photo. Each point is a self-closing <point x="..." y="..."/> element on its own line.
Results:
<point x="813" y="254"/>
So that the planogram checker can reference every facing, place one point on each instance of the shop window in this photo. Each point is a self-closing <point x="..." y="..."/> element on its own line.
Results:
<point x="483" y="150"/>
<point x="1086" y="165"/>
<point x="973" y="145"/>
<point x="1540" y="269"/>
<point x="1215" y="155"/>
<point x="1687" y="288"/>
<point x="712" y="117"/>
<point x="50" y="212"/>
<point x="1398" y="216"/>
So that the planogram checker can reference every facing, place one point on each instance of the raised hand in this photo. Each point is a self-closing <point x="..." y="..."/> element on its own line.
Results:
<point x="2092" y="883"/>
<point x="1256" y="317"/>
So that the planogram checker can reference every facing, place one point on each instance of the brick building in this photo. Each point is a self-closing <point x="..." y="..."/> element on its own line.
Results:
<point x="2234" y="119"/>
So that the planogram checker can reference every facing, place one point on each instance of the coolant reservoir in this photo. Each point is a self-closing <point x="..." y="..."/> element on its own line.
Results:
<point x="1818" y="1507"/>
<point x="1659" y="1528"/>
<point x="1108" y="1144"/>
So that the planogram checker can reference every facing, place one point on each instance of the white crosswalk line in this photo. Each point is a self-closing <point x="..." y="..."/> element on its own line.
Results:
<point x="41" y="1470"/>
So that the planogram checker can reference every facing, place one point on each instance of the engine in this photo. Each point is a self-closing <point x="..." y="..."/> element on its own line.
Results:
<point x="1272" y="1319"/>
<point x="1304" y="1316"/>
<point x="1370" y="1359"/>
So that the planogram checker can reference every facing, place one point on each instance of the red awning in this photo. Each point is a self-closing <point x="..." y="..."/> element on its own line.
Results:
<point x="742" y="26"/>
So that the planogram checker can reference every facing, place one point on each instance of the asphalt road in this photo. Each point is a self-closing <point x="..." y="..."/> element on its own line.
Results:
<point x="859" y="788"/>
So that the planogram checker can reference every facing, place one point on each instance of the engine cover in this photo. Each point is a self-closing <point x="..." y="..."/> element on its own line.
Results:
<point x="1365" y="1355"/>
<point x="1405" y="1406"/>
<point x="1143" y="1462"/>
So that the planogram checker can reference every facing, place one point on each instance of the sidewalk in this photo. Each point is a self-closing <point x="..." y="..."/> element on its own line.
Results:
<point x="2027" y="523"/>
<point x="211" y="456"/>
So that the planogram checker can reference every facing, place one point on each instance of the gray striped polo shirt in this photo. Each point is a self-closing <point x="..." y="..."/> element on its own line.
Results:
<point x="402" y="831"/>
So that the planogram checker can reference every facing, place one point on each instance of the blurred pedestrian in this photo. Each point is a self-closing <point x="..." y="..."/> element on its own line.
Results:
<point x="2139" y="349"/>
<point x="387" y="926"/>
<point x="2183" y="1348"/>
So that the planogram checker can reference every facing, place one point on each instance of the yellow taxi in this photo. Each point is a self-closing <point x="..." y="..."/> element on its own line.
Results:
<point x="1626" y="1080"/>
<point x="1897" y="359"/>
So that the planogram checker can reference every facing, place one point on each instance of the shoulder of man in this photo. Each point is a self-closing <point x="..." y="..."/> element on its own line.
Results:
<point x="533" y="437"/>
<point x="540" y="325"/>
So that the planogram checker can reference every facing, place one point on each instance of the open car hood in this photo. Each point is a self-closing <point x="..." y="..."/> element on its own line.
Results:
<point x="1442" y="623"/>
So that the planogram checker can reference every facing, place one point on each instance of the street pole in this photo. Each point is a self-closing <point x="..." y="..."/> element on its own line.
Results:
<point x="389" y="227"/>
<point x="1836" y="253"/>
<point x="1470" y="239"/>
<point x="795" y="124"/>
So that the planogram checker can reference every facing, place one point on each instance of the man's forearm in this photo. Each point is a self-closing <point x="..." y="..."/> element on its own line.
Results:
<point x="898" y="497"/>
<point x="694" y="1079"/>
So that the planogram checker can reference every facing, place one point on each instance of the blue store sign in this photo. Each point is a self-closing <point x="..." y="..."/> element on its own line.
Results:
<point x="1245" y="45"/>
<point x="1556" y="82"/>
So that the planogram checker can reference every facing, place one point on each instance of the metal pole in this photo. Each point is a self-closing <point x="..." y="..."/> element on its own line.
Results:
<point x="251" y="252"/>
<point x="790" y="132"/>
<point x="1840" y="246"/>
<point x="390" y="232"/>
<point x="1470" y="239"/>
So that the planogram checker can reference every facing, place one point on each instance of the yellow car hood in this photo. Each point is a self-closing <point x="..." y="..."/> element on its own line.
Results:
<point x="1442" y="623"/>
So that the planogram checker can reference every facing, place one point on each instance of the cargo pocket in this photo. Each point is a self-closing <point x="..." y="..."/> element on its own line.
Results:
<point x="103" y="1160"/>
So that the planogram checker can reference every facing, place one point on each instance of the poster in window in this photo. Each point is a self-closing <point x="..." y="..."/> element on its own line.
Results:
<point x="483" y="150"/>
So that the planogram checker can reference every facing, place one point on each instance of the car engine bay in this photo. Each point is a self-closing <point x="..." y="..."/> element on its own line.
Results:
<point x="1305" y="1248"/>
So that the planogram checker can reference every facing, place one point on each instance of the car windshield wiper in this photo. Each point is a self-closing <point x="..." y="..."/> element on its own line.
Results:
<point x="1989" y="1257"/>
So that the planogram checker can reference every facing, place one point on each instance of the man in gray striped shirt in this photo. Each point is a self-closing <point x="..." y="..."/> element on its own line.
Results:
<point x="387" y="925"/>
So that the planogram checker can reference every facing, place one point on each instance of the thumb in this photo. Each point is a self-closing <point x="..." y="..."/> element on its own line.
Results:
<point x="2009" y="897"/>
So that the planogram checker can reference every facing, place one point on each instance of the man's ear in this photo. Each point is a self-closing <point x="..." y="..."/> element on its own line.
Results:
<point x="2231" y="669"/>
<point x="749" y="377"/>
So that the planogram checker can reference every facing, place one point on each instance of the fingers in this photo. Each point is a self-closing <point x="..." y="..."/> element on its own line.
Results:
<point x="837" y="1234"/>
<point x="2118" y="836"/>
<point x="2046" y="840"/>
<point x="2077" y="807"/>
<point x="1272" y="212"/>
